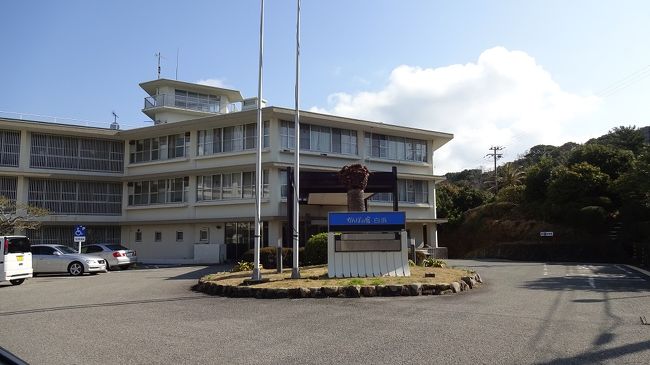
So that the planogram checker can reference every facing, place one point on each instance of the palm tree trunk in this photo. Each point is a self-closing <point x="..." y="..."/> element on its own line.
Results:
<point x="355" y="200"/>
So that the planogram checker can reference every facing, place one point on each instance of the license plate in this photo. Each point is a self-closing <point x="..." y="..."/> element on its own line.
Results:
<point x="129" y="254"/>
<point x="19" y="258"/>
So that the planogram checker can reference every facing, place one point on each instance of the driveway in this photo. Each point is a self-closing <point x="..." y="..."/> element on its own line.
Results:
<point x="526" y="313"/>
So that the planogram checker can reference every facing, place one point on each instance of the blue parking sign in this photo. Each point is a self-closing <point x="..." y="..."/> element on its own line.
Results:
<point x="80" y="231"/>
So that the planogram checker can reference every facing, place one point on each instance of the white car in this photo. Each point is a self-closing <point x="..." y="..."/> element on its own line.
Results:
<point x="60" y="258"/>
<point x="114" y="254"/>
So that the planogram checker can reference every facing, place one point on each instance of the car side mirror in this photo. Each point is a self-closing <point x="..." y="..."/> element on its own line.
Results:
<point x="57" y="253"/>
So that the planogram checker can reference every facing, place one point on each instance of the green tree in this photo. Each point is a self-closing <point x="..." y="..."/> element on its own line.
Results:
<point x="537" y="179"/>
<point x="633" y="189"/>
<point x="577" y="183"/>
<point x="355" y="179"/>
<point x="627" y="138"/>
<point x="611" y="160"/>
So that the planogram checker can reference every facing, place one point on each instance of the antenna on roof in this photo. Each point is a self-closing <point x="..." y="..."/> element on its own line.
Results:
<point x="114" y="125"/>
<point x="159" y="55"/>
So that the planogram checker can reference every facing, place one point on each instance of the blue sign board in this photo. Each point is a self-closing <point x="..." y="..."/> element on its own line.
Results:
<point x="366" y="221"/>
<point x="79" y="231"/>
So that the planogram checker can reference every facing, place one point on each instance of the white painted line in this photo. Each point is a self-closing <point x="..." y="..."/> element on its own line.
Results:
<point x="634" y="268"/>
<point x="592" y="283"/>
<point x="545" y="270"/>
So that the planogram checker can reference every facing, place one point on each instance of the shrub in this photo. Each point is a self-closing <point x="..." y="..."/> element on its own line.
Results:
<point x="316" y="249"/>
<point x="243" y="266"/>
<point x="411" y="263"/>
<point x="431" y="262"/>
<point x="268" y="256"/>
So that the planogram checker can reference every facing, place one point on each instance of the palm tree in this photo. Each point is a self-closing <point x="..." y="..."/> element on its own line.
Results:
<point x="355" y="179"/>
<point x="511" y="175"/>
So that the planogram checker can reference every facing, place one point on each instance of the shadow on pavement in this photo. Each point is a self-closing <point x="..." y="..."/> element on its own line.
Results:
<point x="197" y="274"/>
<point x="593" y="357"/>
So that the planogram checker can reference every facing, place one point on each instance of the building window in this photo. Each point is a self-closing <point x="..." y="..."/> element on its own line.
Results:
<point x="319" y="139"/>
<point x="230" y="139"/>
<point x="243" y="233"/>
<point x="159" y="148"/>
<point x="71" y="153"/>
<point x="196" y="101"/>
<point x="9" y="148"/>
<point x="65" y="234"/>
<point x="203" y="235"/>
<point x="76" y="197"/>
<point x="395" y="148"/>
<point x="157" y="236"/>
<point x="227" y="186"/>
<point x="179" y="236"/>
<point x="159" y="191"/>
<point x="408" y="191"/>
<point x="138" y="236"/>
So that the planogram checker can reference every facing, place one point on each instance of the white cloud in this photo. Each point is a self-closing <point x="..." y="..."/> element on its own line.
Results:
<point x="505" y="98"/>
<point x="213" y="82"/>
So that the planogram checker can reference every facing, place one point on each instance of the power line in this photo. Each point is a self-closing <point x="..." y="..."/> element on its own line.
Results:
<point x="625" y="82"/>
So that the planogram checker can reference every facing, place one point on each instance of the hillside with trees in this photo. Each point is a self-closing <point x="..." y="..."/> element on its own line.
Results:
<point x="594" y="197"/>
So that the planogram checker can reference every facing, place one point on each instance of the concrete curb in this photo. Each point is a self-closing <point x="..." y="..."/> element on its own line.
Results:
<point x="351" y="291"/>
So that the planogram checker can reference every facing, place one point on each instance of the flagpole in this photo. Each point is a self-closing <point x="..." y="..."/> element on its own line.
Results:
<point x="295" y="272"/>
<point x="257" y="275"/>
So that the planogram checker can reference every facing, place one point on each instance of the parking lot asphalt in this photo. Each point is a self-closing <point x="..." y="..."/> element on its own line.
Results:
<point x="526" y="313"/>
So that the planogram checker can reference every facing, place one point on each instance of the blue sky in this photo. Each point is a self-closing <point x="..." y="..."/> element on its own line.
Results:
<point x="512" y="73"/>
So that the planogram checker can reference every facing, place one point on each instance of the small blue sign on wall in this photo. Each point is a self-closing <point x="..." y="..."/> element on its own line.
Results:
<point x="366" y="221"/>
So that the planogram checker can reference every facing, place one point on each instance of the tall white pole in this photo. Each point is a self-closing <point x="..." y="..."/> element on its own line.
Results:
<point x="295" y="272"/>
<point x="257" y="275"/>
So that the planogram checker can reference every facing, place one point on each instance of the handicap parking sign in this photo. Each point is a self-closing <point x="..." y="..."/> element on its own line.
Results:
<point x="79" y="234"/>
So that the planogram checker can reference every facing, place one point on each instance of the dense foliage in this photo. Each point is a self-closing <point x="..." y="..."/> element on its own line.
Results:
<point x="590" y="187"/>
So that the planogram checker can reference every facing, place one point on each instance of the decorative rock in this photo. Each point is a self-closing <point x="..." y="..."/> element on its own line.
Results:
<point x="442" y="287"/>
<point x="477" y="277"/>
<point x="352" y="291"/>
<point x="394" y="290"/>
<point x="381" y="290"/>
<point x="472" y="283"/>
<point x="446" y="291"/>
<point x="294" y="293"/>
<point x="414" y="289"/>
<point x="428" y="289"/>
<point x="368" y="291"/>
<point x="455" y="287"/>
<point x="331" y="291"/>
<point x="464" y="286"/>
<point x="429" y="274"/>
<point x="467" y="280"/>
<point x="316" y="293"/>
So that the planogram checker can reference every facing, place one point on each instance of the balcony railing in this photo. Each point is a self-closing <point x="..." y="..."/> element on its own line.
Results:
<point x="187" y="102"/>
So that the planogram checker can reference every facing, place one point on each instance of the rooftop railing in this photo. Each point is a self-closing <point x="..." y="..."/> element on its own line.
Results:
<point x="201" y="104"/>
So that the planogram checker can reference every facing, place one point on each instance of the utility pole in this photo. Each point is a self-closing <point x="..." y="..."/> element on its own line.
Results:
<point x="496" y="155"/>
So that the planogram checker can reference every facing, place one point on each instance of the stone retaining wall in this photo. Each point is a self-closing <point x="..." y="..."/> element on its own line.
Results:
<point x="352" y="291"/>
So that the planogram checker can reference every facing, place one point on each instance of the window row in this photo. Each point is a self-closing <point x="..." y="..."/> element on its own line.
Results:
<point x="196" y="101"/>
<point x="230" y="139"/>
<point x="65" y="235"/>
<point x="76" y="197"/>
<point x="232" y="185"/>
<point x="72" y="153"/>
<point x="9" y="148"/>
<point x="408" y="191"/>
<point x="395" y="148"/>
<point x="163" y="191"/>
<point x="319" y="139"/>
<point x="159" y="148"/>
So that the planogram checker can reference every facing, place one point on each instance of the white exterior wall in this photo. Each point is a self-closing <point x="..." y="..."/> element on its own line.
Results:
<point x="191" y="215"/>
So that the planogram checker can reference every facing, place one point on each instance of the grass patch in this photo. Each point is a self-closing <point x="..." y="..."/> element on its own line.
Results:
<point x="316" y="276"/>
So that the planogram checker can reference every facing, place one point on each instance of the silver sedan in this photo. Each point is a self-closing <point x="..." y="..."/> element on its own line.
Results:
<point x="60" y="258"/>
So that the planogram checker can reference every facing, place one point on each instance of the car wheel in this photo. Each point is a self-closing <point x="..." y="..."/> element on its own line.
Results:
<point x="76" y="268"/>
<point x="17" y="281"/>
<point x="108" y="267"/>
<point x="125" y="267"/>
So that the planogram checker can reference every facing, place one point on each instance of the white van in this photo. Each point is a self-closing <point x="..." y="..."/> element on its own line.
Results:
<point x="16" y="259"/>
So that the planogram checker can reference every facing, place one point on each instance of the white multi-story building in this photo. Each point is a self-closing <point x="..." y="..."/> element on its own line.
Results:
<point x="183" y="189"/>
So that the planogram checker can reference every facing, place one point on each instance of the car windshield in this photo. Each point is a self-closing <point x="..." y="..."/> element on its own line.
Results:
<point x="65" y="249"/>
<point x="116" y="247"/>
